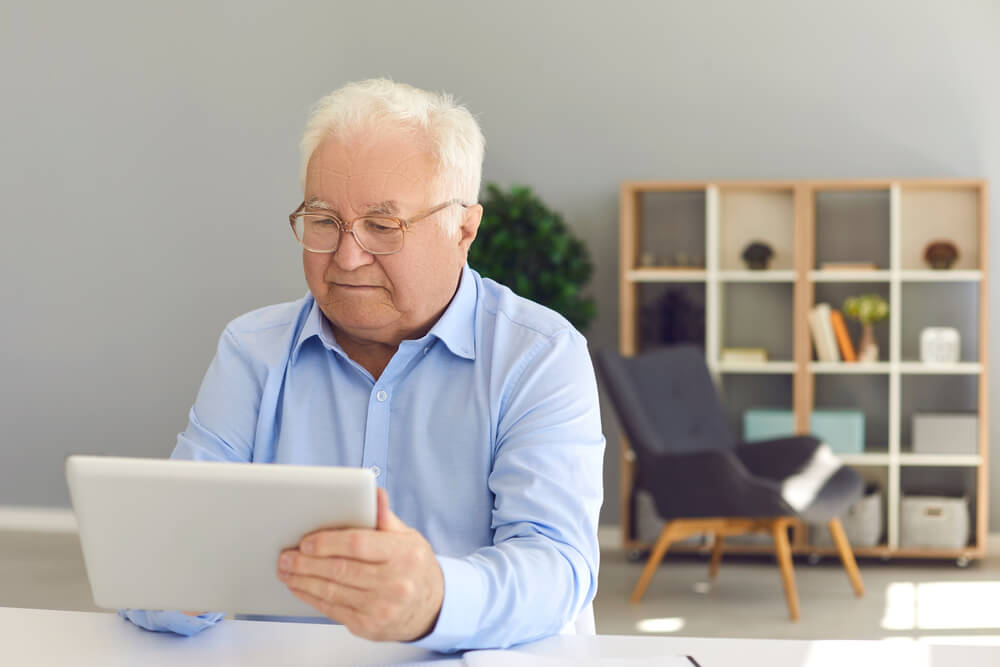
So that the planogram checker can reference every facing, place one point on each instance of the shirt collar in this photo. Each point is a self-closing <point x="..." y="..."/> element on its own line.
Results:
<point x="456" y="327"/>
<point x="315" y="325"/>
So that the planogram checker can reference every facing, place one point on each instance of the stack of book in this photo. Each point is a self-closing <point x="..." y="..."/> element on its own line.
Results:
<point x="829" y="334"/>
<point x="743" y="355"/>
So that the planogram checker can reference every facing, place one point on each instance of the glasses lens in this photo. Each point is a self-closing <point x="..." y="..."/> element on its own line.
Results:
<point x="317" y="232"/>
<point x="380" y="235"/>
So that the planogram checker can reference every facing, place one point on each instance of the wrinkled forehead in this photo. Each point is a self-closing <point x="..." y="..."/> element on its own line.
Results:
<point x="391" y="165"/>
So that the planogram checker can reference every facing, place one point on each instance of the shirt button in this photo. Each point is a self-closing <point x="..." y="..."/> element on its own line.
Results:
<point x="376" y="470"/>
<point x="427" y="349"/>
<point x="381" y="395"/>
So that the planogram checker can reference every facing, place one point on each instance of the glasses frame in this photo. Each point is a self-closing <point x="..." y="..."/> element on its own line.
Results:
<point x="404" y="225"/>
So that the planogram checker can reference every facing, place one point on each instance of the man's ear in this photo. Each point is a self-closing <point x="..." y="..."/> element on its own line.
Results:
<point x="469" y="227"/>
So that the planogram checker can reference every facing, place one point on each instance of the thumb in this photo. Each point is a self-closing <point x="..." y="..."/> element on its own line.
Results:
<point x="386" y="520"/>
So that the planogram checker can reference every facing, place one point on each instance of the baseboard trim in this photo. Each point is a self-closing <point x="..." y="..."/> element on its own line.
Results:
<point x="37" y="519"/>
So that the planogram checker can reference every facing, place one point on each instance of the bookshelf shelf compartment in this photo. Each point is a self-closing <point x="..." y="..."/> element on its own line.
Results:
<point x="748" y="215"/>
<point x="831" y="240"/>
<point x="852" y="226"/>
<point x="940" y="213"/>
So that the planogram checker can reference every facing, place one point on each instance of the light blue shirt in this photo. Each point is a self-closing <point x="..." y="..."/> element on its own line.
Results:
<point x="485" y="433"/>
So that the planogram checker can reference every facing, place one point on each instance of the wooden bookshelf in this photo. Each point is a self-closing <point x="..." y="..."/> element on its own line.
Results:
<point x="811" y="224"/>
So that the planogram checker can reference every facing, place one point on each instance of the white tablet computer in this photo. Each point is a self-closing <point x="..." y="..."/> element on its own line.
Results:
<point x="204" y="536"/>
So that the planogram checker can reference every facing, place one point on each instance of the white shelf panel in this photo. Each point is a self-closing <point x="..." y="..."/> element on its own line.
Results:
<point x="946" y="275"/>
<point x="853" y="368"/>
<point x="869" y="459"/>
<point x="837" y="276"/>
<point x="920" y="368"/>
<point x="666" y="275"/>
<point x="757" y="276"/>
<point x="940" y="459"/>
<point x="756" y="367"/>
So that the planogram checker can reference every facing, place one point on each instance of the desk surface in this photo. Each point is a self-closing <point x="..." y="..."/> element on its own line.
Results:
<point x="45" y="637"/>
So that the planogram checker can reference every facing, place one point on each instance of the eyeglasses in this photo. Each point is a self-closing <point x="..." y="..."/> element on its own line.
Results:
<point x="376" y="234"/>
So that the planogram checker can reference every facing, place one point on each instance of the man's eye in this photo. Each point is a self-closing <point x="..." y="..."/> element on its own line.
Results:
<point x="324" y="222"/>
<point x="379" y="226"/>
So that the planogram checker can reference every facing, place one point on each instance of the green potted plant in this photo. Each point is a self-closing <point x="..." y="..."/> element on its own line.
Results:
<point x="527" y="247"/>
<point x="867" y="309"/>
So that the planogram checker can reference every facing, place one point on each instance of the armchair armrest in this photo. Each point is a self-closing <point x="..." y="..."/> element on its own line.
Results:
<point x="711" y="483"/>
<point x="779" y="458"/>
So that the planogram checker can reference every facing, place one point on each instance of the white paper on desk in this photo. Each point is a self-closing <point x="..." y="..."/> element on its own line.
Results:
<point x="494" y="658"/>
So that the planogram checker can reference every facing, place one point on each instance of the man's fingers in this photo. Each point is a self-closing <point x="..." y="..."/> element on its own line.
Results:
<point x="338" y="613"/>
<point x="331" y="592"/>
<point x="387" y="520"/>
<point x="353" y="573"/>
<point x="357" y="544"/>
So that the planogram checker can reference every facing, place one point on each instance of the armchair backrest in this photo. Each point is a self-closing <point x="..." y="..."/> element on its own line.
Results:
<point x="666" y="400"/>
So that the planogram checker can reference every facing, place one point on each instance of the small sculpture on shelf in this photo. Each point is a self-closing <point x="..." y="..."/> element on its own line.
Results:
<point x="940" y="254"/>
<point x="757" y="255"/>
<point x="867" y="309"/>
<point x="940" y="345"/>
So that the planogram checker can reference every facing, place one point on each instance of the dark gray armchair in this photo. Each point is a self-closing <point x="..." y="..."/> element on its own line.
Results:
<point x="704" y="480"/>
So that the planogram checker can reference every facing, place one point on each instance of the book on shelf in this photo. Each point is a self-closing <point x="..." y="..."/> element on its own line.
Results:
<point x="743" y="355"/>
<point x="821" y="327"/>
<point x="848" y="266"/>
<point x="843" y="339"/>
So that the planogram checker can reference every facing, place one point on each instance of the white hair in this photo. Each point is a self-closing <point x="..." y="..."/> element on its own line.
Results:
<point x="453" y="132"/>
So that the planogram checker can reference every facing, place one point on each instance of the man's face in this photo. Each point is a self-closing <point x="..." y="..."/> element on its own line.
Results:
<point x="385" y="298"/>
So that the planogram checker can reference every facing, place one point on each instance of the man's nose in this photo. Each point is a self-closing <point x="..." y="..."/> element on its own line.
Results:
<point x="349" y="254"/>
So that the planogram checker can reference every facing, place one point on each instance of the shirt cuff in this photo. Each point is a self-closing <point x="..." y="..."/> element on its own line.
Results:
<point x="171" y="621"/>
<point x="461" y="607"/>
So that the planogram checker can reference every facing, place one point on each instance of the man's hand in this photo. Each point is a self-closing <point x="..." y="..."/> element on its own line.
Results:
<point x="383" y="584"/>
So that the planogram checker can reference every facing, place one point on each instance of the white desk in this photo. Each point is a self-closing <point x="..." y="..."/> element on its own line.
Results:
<point x="44" y="637"/>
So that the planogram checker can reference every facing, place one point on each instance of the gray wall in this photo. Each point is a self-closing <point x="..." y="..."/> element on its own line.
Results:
<point x="149" y="158"/>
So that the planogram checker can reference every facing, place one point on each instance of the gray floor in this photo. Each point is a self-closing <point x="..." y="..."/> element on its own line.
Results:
<point x="930" y="600"/>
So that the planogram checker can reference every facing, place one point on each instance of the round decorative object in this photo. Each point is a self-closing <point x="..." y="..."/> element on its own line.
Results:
<point x="940" y="254"/>
<point x="757" y="255"/>
<point x="940" y="345"/>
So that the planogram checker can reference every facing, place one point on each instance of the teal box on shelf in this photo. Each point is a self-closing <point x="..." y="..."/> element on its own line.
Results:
<point x="843" y="430"/>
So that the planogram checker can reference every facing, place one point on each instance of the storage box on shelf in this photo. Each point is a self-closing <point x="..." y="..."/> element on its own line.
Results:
<point x="863" y="523"/>
<point x="755" y="257"/>
<point x="932" y="522"/>
<point x="842" y="430"/>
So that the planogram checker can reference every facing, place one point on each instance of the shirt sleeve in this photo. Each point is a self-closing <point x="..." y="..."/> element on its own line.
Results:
<point x="223" y="421"/>
<point x="547" y="477"/>
<point x="221" y="427"/>
<point x="170" y="621"/>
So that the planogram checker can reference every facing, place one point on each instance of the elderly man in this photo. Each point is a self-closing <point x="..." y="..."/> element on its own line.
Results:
<point x="476" y="409"/>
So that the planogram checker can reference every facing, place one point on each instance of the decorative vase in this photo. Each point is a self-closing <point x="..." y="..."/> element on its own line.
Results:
<point x="867" y="347"/>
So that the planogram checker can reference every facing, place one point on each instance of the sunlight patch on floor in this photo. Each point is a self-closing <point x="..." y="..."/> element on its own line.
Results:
<point x="660" y="625"/>
<point x="942" y="605"/>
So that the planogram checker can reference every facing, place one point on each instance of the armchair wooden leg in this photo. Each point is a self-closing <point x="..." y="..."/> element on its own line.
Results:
<point x="783" y="550"/>
<point x="713" y="565"/>
<point x="846" y="556"/>
<point x="659" y="550"/>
